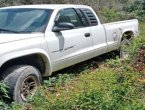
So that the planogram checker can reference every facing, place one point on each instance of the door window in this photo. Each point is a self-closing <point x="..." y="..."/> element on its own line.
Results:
<point x="70" y="16"/>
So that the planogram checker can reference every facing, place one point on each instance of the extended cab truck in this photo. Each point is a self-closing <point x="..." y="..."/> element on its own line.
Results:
<point x="37" y="40"/>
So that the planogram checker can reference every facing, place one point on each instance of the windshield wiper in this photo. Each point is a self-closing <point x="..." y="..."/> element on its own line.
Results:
<point x="7" y="30"/>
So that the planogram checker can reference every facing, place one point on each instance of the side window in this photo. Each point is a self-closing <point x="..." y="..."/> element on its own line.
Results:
<point x="90" y="16"/>
<point x="83" y="18"/>
<point x="69" y="15"/>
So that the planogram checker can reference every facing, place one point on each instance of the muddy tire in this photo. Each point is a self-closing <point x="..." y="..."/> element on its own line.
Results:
<point x="123" y="49"/>
<point x="22" y="82"/>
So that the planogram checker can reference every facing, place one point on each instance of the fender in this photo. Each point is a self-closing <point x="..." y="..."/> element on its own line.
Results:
<point x="12" y="55"/>
<point x="126" y="30"/>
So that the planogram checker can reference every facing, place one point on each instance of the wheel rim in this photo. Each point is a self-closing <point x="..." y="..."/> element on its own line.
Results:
<point x="28" y="87"/>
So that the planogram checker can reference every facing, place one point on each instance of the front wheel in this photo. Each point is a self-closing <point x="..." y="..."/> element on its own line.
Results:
<point x="22" y="82"/>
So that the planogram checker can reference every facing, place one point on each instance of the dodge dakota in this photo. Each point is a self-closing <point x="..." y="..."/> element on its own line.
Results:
<point x="37" y="40"/>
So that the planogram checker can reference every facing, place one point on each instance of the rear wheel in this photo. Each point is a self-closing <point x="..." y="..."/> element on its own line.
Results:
<point x="22" y="82"/>
<point x="124" y="53"/>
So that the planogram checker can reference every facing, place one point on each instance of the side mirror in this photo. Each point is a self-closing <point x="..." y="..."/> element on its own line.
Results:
<point x="62" y="26"/>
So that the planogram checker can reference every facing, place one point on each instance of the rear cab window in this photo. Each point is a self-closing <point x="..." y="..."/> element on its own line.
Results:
<point x="91" y="18"/>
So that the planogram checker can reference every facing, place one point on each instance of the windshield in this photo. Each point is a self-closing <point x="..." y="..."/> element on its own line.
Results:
<point x="24" y="20"/>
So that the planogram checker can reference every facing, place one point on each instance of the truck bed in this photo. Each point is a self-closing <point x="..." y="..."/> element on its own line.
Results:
<point x="115" y="31"/>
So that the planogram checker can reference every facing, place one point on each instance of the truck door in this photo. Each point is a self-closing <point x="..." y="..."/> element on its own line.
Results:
<point x="97" y="31"/>
<point x="68" y="47"/>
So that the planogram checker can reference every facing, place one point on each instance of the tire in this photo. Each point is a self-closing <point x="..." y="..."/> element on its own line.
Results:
<point x="22" y="82"/>
<point x="123" y="49"/>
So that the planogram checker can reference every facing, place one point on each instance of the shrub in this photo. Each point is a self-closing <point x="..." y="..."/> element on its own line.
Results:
<point x="136" y="9"/>
<point x="3" y="95"/>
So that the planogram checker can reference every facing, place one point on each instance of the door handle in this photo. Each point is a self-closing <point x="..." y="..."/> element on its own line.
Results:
<point x="87" y="35"/>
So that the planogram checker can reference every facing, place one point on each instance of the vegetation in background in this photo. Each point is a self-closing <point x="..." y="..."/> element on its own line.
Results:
<point x="136" y="9"/>
<point x="112" y="10"/>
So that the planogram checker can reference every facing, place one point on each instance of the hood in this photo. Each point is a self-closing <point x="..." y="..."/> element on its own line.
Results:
<point x="5" y="38"/>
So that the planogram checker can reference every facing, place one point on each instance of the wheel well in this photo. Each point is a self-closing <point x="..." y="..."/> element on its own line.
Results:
<point x="128" y="35"/>
<point x="34" y="60"/>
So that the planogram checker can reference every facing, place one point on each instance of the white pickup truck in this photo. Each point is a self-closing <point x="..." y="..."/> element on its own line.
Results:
<point x="37" y="40"/>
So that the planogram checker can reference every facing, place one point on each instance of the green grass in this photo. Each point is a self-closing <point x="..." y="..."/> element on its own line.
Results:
<point x="112" y="85"/>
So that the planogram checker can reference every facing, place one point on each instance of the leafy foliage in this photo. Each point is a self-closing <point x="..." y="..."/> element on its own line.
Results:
<point x="3" y="94"/>
<point x="136" y="8"/>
